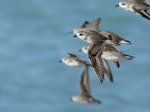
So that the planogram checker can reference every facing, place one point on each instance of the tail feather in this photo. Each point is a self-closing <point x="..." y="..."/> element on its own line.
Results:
<point x="128" y="57"/>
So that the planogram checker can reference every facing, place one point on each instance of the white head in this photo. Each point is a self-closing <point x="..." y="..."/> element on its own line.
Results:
<point x="85" y="49"/>
<point x="122" y="4"/>
<point x="79" y="32"/>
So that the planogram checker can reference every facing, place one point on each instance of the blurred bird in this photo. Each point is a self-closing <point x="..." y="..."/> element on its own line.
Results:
<point x="115" y="38"/>
<point x="73" y="61"/>
<point x="140" y="7"/>
<point x="85" y="96"/>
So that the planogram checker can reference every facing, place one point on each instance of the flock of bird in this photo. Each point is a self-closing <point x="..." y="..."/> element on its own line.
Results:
<point x="103" y="47"/>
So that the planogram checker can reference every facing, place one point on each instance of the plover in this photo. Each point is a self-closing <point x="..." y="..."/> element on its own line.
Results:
<point x="113" y="54"/>
<point x="73" y="61"/>
<point x="141" y="7"/>
<point x="85" y="96"/>
<point x="97" y="43"/>
<point x="108" y="34"/>
<point x="115" y="38"/>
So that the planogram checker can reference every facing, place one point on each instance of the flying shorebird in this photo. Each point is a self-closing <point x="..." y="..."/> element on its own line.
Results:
<point x="108" y="34"/>
<point x="85" y="96"/>
<point x="111" y="53"/>
<point x="73" y="61"/>
<point x="140" y="7"/>
<point x="115" y="38"/>
<point x="97" y="43"/>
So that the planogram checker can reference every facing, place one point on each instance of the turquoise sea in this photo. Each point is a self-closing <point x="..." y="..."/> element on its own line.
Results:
<point x="33" y="39"/>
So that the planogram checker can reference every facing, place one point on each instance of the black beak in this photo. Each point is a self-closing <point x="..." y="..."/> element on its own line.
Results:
<point x="117" y="5"/>
<point x="75" y="36"/>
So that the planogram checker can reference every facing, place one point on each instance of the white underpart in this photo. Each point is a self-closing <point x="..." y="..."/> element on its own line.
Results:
<point x="124" y="42"/>
<point x="71" y="62"/>
<point x="79" y="99"/>
<point x="109" y="56"/>
<point x="85" y="49"/>
<point x="130" y="8"/>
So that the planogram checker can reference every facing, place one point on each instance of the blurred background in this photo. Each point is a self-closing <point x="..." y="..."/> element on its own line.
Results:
<point x="33" y="39"/>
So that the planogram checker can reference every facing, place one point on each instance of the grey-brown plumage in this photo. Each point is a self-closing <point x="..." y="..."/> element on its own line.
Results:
<point x="92" y="25"/>
<point x="108" y="34"/>
<point x="97" y="43"/>
<point x="115" y="38"/>
<point x="141" y="7"/>
<point x="113" y="54"/>
<point x="107" y="68"/>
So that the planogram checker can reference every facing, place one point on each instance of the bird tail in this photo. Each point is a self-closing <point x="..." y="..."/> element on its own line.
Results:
<point x="128" y="57"/>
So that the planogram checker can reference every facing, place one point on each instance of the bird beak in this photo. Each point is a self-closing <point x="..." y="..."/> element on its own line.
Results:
<point x="75" y="36"/>
<point x="117" y="5"/>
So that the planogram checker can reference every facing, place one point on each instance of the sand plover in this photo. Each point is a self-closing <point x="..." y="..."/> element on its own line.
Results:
<point x="85" y="49"/>
<point x="108" y="34"/>
<point x="97" y="43"/>
<point x="141" y="7"/>
<point x="113" y="54"/>
<point x="73" y="61"/>
<point x="85" y="96"/>
<point x="115" y="38"/>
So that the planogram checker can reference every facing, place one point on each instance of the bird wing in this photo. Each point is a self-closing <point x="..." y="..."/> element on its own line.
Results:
<point x="84" y="83"/>
<point x="143" y="12"/>
<point x="92" y="26"/>
<point x="107" y="70"/>
<point x="96" y="60"/>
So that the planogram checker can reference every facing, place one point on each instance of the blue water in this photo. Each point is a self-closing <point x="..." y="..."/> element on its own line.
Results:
<point x="33" y="39"/>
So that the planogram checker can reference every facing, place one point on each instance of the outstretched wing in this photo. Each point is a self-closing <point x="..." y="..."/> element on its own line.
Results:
<point x="98" y="67"/>
<point x="92" y="26"/>
<point x="94" y="54"/>
<point x="84" y="83"/>
<point x="143" y="12"/>
<point x="107" y="70"/>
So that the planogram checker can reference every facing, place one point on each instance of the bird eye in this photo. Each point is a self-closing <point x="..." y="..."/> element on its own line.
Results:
<point x="80" y="34"/>
<point x="123" y="3"/>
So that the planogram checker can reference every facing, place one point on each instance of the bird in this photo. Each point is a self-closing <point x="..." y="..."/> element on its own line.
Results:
<point x="97" y="43"/>
<point x="85" y="49"/>
<point x="140" y="7"/>
<point x="114" y="54"/>
<point x="73" y="61"/>
<point x="85" y="96"/>
<point x="115" y="38"/>
<point x="108" y="34"/>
